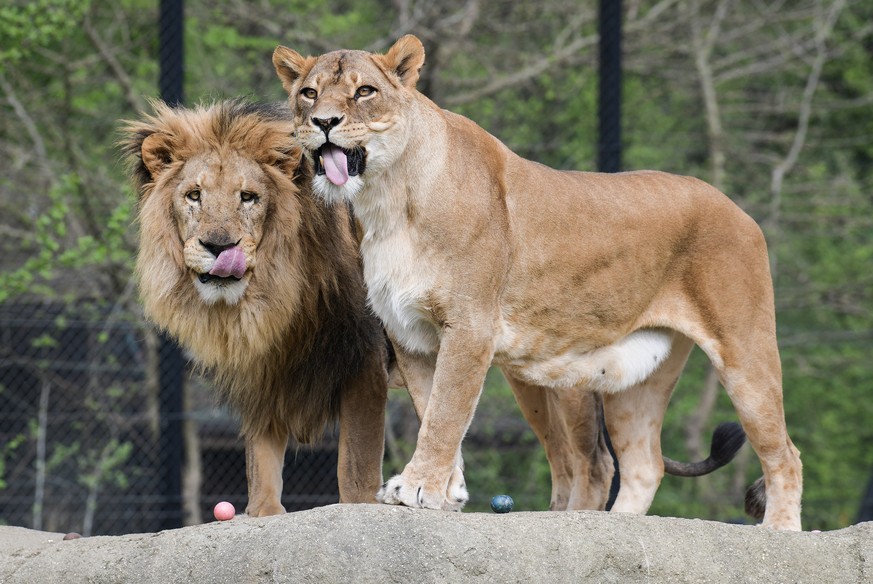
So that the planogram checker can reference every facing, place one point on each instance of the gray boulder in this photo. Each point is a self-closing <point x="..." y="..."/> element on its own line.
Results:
<point x="376" y="543"/>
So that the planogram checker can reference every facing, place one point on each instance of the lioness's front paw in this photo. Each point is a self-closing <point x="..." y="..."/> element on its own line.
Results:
<point x="457" y="490"/>
<point x="399" y="491"/>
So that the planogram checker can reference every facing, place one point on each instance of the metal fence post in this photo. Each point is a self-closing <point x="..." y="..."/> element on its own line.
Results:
<point x="172" y="361"/>
<point x="609" y="126"/>
<point x="171" y="52"/>
<point x="609" y="101"/>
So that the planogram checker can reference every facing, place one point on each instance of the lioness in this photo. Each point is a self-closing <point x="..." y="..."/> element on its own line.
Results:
<point x="262" y="285"/>
<point x="473" y="255"/>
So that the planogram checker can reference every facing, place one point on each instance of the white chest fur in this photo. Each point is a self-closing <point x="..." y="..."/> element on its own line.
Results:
<point x="397" y="286"/>
<point x="397" y="272"/>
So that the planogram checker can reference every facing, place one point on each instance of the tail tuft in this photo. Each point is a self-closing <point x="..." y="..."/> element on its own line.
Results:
<point x="727" y="440"/>
<point x="756" y="499"/>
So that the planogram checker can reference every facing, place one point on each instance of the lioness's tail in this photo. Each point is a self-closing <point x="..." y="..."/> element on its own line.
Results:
<point x="727" y="440"/>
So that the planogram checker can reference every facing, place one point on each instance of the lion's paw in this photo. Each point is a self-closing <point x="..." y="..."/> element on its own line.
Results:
<point x="400" y="491"/>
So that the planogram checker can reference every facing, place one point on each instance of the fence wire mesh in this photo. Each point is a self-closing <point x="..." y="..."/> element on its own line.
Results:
<point x="81" y="430"/>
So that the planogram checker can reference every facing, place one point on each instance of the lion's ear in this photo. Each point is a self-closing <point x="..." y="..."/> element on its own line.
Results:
<point x="405" y="59"/>
<point x="156" y="153"/>
<point x="291" y="66"/>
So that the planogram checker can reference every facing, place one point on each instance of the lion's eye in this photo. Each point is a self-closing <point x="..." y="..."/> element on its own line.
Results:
<point x="248" y="196"/>
<point x="308" y="93"/>
<point x="193" y="196"/>
<point x="365" y="91"/>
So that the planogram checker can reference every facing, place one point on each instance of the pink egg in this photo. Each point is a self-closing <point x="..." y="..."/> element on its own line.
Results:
<point x="223" y="511"/>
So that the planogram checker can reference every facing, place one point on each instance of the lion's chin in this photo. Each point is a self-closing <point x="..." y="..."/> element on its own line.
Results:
<point x="227" y="290"/>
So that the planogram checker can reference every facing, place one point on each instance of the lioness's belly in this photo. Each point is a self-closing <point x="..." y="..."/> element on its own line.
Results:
<point x="611" y="368"/>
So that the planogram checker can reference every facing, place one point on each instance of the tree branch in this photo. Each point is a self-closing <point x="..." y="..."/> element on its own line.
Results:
<point x="134" y="100"/>
<point x="812" y="81"/>
<point x="29" y="125"/>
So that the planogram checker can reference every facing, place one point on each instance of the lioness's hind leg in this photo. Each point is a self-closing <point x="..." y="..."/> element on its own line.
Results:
<point x="593" y="466"/>
<point x="568" y="424"/>
<point x="634" y="418"/>
<point x="362" y="434"/>
<point x="753" y="379"/>
<point x="553" y="436"/>
<point x="265" y="457"/>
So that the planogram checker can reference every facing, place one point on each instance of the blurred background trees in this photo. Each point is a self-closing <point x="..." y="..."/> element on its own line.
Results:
<point x="767" y="99"/>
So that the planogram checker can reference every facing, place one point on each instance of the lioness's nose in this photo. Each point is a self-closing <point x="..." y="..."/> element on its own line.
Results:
<point x="326" y="123"/>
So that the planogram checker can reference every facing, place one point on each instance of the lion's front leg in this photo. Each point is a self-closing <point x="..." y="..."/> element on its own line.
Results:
<point x="362" y="434"/>
<point x="265" y="457"/>
<point x="433" y="479"/>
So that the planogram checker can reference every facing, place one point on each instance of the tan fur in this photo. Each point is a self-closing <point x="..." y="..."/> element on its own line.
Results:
<point x="291" y="345"/>
<point x="473" y="255"/>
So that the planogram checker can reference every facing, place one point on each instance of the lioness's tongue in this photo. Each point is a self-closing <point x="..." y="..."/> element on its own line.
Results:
<point x="230" y="262"/>
<point x="335" y="164"/>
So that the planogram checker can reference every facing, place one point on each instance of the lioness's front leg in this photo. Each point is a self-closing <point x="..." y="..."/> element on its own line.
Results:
<point x="419" y="370"/>
<point x="463" y="360"/>
<point x="265" y="457"/>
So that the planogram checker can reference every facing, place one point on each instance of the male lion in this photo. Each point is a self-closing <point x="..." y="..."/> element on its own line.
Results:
<point x="262" y="285"/>
<point x="473" y="255"/>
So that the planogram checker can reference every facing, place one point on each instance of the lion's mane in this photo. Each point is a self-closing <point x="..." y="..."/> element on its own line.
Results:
<point x="280" y="356"/>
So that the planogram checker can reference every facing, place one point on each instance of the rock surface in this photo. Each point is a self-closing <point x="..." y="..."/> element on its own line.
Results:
<point x="375" y="543"/>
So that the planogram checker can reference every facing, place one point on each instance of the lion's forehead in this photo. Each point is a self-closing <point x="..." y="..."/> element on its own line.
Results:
<point x="223" y="172"/>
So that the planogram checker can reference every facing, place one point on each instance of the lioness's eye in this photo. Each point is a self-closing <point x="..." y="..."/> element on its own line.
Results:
<point x="247" y="196"/>
<point x="308" y="93"/>
<point x="365" y="91"/>
<point x="193" y="196"/>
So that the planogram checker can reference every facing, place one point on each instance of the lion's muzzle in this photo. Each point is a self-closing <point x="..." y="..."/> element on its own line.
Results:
<point x="230" y="262"/>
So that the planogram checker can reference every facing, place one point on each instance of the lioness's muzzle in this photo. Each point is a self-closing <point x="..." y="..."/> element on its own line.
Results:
<point x="339" y="163"/>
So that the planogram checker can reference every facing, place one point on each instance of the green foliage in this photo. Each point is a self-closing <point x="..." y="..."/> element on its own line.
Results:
<point x="106" y="466"/>
<point x="38" y="272"/>
<point x="26" y="25"/>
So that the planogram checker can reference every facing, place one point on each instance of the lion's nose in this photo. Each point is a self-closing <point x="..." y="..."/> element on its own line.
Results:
<point x="326" y="123"/>
<point x="216" y="248"/>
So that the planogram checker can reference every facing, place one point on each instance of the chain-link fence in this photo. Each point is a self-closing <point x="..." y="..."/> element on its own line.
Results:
<point x="79" y="421"/>
<point x="88" y="446"/>
<point x="84" y="432"/>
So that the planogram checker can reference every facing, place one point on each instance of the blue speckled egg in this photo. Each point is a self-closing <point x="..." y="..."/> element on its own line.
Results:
<point x="501" y="503"/>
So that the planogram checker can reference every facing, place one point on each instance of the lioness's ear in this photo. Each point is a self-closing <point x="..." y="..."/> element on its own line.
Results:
<point x="291" y="66"/>
<point x="405" y="59"/>
<point x="156" y="153"/>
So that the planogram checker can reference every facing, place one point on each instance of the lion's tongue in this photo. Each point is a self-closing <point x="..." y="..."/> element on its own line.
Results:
<point x="335" y="164"/>
<point x="230" y="262"/>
